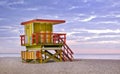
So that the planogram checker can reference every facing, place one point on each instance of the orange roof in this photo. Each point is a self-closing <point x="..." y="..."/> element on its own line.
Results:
<point x="43" y="21"/>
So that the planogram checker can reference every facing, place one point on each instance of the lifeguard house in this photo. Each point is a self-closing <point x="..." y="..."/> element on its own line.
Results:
<point x="42" y="45"/>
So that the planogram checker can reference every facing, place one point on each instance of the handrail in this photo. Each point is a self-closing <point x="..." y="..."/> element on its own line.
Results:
<point x="66" y="48"/>
<point x="44" y="38"/>
<point x="51" y="37"/>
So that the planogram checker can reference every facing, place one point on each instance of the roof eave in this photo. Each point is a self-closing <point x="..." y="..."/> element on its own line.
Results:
<point x="44" y="21"/>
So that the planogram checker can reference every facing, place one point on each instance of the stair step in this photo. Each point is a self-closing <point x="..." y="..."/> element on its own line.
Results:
<point x="52" y="48"/>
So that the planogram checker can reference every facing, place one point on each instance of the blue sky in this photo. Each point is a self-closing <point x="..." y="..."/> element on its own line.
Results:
<point x="92" y="26"/>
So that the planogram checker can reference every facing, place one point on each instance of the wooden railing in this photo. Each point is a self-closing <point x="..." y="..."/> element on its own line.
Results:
<point x="43" y="38"/>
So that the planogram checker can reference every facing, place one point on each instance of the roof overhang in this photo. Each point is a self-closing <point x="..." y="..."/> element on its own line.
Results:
<point x="43" y="21"/>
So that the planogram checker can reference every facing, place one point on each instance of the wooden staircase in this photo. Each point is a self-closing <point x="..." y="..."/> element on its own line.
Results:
<point x="67" y="54"/>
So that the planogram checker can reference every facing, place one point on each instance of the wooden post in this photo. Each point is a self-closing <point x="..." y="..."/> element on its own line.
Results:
<point x="60" y="54"/>
<point x="41" y="56"/>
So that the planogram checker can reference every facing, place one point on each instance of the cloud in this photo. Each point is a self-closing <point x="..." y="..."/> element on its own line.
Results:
<point x="112" y="14"/>
<point x="107" y="22"/>
<point x="10" y="31"/>
<point x="104" y="31"/>
<point x="88" y="19"/>
<point x="115" y="4"/>
<point x="9" y="27"/>
<point x="10" y="37"/>
<point x="32" y="9"/>
<point x="97" y="31"/>
<point x="87" y="36"/>
<point x="95" y="19"/>
<point x="2" y="2"/>
<point x="74" y="7"/>
<point x="81" y="18"/>
<point x="85" y="1"/>
<point x="1" y="19"/>
<point x="111" y="42"/>
<point x="101" y="38"/>
<point x="101" y="42"/>
<point x="11" y="4"/>
<point x="52" y="16"/>
<point x="93" y="37"/>
<point x="116" y="15"/>
<point x="14" y="2"/>
<point x="94" y="40"/>
<point x="92" y="43"/>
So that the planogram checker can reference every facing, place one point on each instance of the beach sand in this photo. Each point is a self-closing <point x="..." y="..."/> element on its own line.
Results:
<point x="88" y="66"/>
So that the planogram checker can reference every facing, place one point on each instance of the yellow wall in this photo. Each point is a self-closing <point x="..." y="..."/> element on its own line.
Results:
<point x="42" y="27"/>
<point x="28" y="32"/>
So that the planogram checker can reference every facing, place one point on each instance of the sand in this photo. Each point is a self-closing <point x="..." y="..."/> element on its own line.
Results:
<point x="15" y="66"/>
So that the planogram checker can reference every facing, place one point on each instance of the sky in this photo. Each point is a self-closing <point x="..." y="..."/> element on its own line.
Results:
<point x="92" y="26"/>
